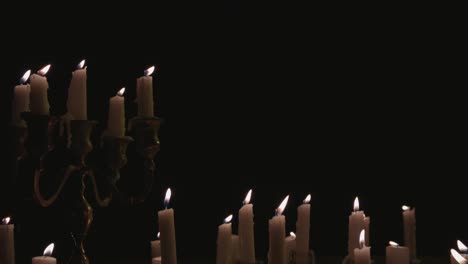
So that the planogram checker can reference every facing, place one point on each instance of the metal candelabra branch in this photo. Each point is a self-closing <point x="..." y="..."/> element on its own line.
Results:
<point x="59" y="147"/>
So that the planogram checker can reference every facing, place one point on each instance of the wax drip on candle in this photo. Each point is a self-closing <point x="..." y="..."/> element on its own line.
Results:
<point x="25" y="77"/>
<point x="362" y="238"/>
<point x="228" y="219"/>
<point x="159" y="234"/>
<point x="282" y="206"/>
<point x="463" y="249"/>
<point x="121" y="92"/>
<point x="6" y="220"/>
<point x="44" y="70"/>
<point x="149" y="71"/>
<point x="81" y="65"/>
<point x="49" y="250"/>
<point x="307" y="199"/>
<point x="405" y="208"/>
<point x="459" y="258"/>
<point x="167" y="198"/>
<point x="356" y="205"/>
<point x="248" y="197"/>
<point x="393" y="244"/>
<point x="292" y="235"/>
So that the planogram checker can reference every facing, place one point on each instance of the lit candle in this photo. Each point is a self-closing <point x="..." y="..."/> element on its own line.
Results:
<point x="7" y="242"/>
<point x="156" y="247"/>
<point x="167" y="228"/>
<point x="116" y="122"/>
<point x="356" y="224"/>
<point x="456" y="258"/>
<point x="362" y="254"/>
<point x="277" y="232"/>
<point x="46" y="258"/>
<point x="21" y="100"/>
<point x="224" y="242"/>
<point x="77" y="102"/>
<point x="246" y="231"/>
<point x="409" y="227"/>
<point x="145" y="94"/>
<point x="463" y="252"/>
<point x="39" y="103"/>
<point x="396" y="254"/>
<point x="290" y="246"/>
<point x="235" y="249"/>
<point x="303" y="226"/>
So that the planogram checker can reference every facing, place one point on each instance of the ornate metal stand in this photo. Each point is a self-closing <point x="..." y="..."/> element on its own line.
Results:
<point x="59" y="147"/>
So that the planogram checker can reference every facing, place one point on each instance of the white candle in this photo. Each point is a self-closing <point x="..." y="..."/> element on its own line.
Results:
<point x="224" y="242"/>
<point x="7" y="242"/>
<point x="235" y="255"/>
<point x="145" y="94"/>
<point x="362" y="254"/>
<point x="167" y="228"/>
<point x="409" y="227"/>
<point x="394" y="254"/>
<point x="303" y="226"/>
<point x="21" y="100"/>
<point x="356" y="224"/>
<point x="116" y="121"/>
<point x="366" y="227"/>
<point x="277" y="235"/>
<point x="246" y="231"/>
<point x="77" y="101"/>
<point x="290" y="245"/>
<point x="457" y="258"/>
<point x="156" y="248"/>
<point x="39" y="103"/>
<point x="156" y="260"/>
<point x="46" y="258"/>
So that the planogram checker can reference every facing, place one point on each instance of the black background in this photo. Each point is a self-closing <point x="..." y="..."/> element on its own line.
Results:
<point x="337" y="106"/>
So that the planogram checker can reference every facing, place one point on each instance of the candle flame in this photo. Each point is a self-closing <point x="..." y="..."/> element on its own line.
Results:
<point x="461" y="246"/>
<point x="248" y="197"/>
<point x="49" y="250"/>
<point x="159" y="234"/>
<point x="393" y="244"/>
<point x="81" y="64"/>
<point x="44" y="70"/>
<point x="168" y="197"/>
<point x="459" y="258"/>
<point x="228" y="219"/>
<point x="121" y="92"/>
<point x="25" y="76"/>
<point x="362" y="238"/>
<point x="307" y="199"/>
<point x="282" y="206"/>
<point x="6" y="220"/>
<point x="405" y="208"/>
<point x="356" y="204"/>
<point x="149" y="71"/>
<point x="292" y="235"/>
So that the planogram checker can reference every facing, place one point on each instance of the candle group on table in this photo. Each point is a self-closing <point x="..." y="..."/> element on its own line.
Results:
<point x="7" y="241"/>
<point x="167" y="229"/>
<point x="395" y="254"/>
<point x="224" y="242"/>
<point x="21" y="100"/>
<point x="277" y="235"/>
<point x="46" y="258"/>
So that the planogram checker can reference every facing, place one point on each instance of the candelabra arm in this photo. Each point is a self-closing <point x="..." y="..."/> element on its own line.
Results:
<point x="37" y="189"/>
<point x="102" y="202"/>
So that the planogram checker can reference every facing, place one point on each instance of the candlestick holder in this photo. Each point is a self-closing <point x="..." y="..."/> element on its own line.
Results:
<point x="58" y="150"/>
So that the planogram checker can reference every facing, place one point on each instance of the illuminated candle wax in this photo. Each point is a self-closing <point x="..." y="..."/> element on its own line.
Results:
<point x="463" y="253"/>
<point x="246" y="231"/>
<point x="167" y="228"/>
<point x="77" y="100"/>
<point x="291" y="243"/>
<point x="366" y="227"/>
<point x="409" y="227"/>
<point x="46" y="258"/>
<point x="224" y="242"/>
<point x="39" y="103"/>
<point x="456" y="258"/>
<point x="156" y="247"/>
<point x="362" y="254"/>
<point x="156" y="260"/>
<point x="303" y="226"/>
<point x="145" y="94"/>
<point x="235" y="253"/>
<point x="116" y="121"/>
<point x="7" y="242"/>
<point x="394" y="254"/>
<point x="356" y="224"/>
<point x="277" y="235"/>
<point x="21" y="100"/>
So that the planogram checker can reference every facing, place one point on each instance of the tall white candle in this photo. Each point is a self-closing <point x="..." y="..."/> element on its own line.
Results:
<point x="277" y="235"/>
<point x="409" y="227"/>
<point x="39" y="103"/>
<point x="116" y="121"/>
<point x="21" y="100"/>
<point x="7" y="242"/>
<point x="457" y="258"/>
<point x="394" y="254"/>
<point x="246" y="231"/>
<point x="356" y="224"/>
<point x="156" y="247"/>
<point x="235" y="255"/>
<point x="46" y="258"/>
<point x="224" y="242"/>
<point x="77" y="99"/>
<point x="303" y="226"/>
<point x="291" y="246"/>
<point x="167" y="228"/>
<point x="362" y="254"/>
<point x="145" y="94"/>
